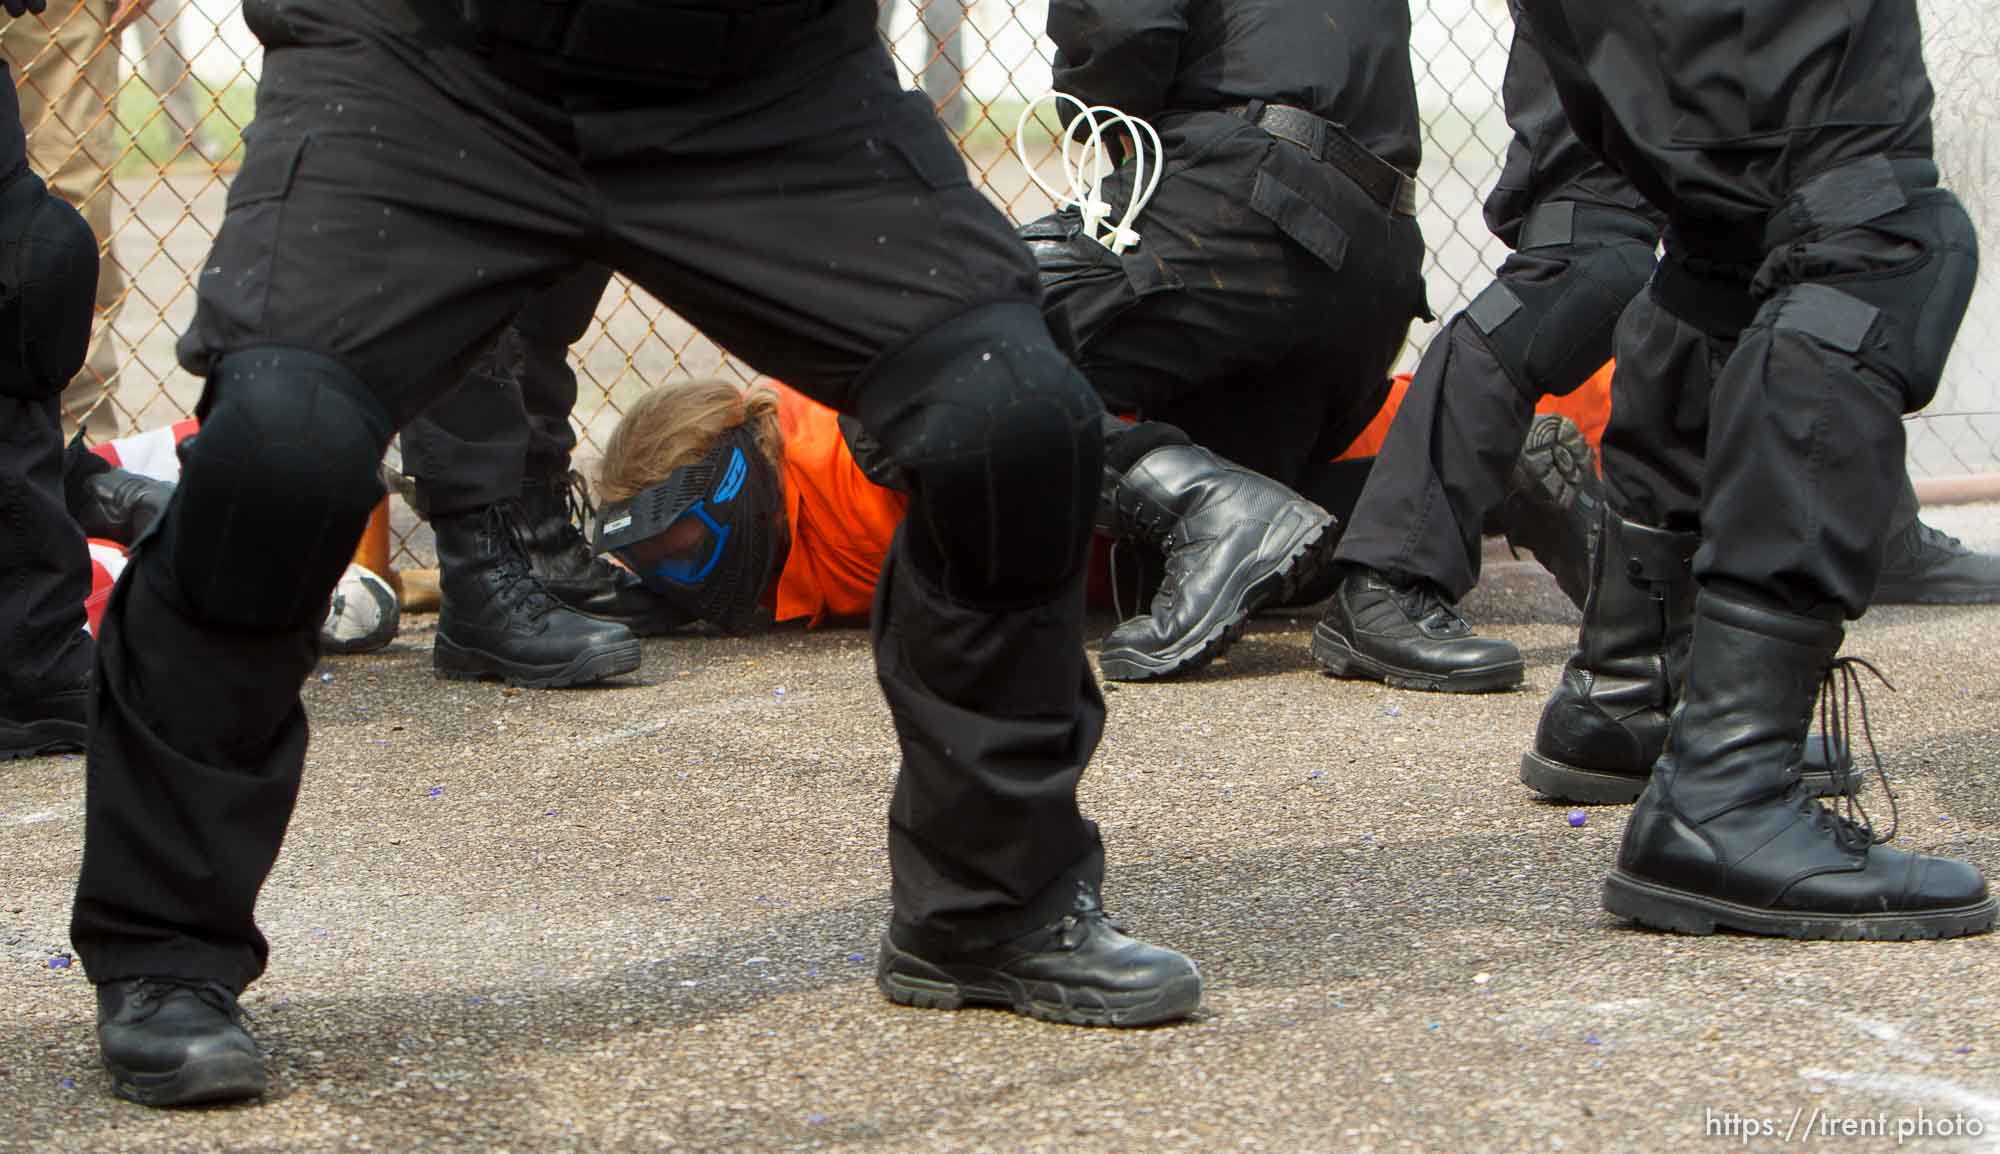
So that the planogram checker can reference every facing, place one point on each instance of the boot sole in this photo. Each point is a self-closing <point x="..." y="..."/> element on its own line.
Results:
<point x="1335" y="655"/>
<point x="911" y="981"/>
<point x="220" y="1078"/>
<point x="37" y="738"/>
<point x="1288" y="563"/>
<point x="453" y="662"/>
<point x="1561" y="782"/>
<point x="1678" y="911"/>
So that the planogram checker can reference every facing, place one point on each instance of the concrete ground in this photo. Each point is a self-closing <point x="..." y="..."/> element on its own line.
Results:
<point x="643" y="917"/>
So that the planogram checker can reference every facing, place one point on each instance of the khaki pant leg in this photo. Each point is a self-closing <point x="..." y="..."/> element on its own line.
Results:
<point x="68" y="79"/>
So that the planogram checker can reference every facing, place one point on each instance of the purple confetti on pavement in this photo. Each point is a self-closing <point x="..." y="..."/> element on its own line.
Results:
<point x="1314" y="773"/>
<point x="326" y="678"/>
<point x="1576" y="818"/>
<point x="1393" y="711"/>
<point x="551" y="813"/>
<point x="1591" y="1040"/>
<point x="857" y="956"/>
<point x="437" y="791"/>
<point x="815" y="1119"/>
<point x="59" y="962"/>
<point x="1962" y="1050"/>
<point x="67" y="1083"/>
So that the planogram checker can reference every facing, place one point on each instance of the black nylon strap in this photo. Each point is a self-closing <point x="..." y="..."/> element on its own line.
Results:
<point x="1384" y="183"/>
<point x="1493" y="307"/>
<point x="1549" y="224"/>
<point x="1828" y="314"/>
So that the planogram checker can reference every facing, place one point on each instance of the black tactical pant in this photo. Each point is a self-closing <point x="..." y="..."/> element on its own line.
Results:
<point x="509" y="419"/>
<point x="1809" y="294"/>
<point x="44" y="566"/>
<point x="813" y="219"/>
<point x="1781" y="441"/>
<point x="1541" y="328"/>
<point x="1263" y="307"/>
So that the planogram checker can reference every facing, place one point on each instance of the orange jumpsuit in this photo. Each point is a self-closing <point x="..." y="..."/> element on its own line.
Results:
<point x="841" y="522"/>
<point x="1589" y="406"/>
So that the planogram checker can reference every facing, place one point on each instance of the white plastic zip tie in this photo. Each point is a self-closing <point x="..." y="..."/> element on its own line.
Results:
<point x="1086" y="194"/>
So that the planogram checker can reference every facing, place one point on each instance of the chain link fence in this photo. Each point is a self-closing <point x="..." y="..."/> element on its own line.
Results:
<point x="141" y="127"/>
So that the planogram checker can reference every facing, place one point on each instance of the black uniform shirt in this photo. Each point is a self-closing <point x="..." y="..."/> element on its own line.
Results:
<point x="1347" y="60"/>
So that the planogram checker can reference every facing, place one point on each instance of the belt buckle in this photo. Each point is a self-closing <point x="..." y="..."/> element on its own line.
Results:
<point x="1321" y="130"/>
<point x="1406" y="195"/>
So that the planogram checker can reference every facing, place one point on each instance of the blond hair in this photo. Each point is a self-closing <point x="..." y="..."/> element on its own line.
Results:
<point x="679" y="424"/>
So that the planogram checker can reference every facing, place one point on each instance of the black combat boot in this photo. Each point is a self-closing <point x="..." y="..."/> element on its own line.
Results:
<point x="1726" y="836"/>
<point x="1233" y="541"/>
<point x="497" y="619"/>
<point x="1081" y="970"/>
<point x="171" y="1042"/>
<point x="1408" y="636"/>
<point x="53" y="716"/>
<point x="553" y="510"/>
<point x="1923" y="566"/>
<point x="1551" y="506"/>
<point x="1606" y="723"/>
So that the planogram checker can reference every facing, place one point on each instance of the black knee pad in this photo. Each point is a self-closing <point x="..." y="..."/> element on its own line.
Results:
<point x="276" y="490"/>
<point x="1550" y="317"/>
<point x="1891" y="292"/>
<point x="1000" y="439"/>
<point x="48" y="289"/>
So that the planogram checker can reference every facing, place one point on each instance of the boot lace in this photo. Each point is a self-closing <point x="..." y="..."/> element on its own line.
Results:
<point x="1840" y="700"/>
<point x="578" y="511"/>
<point x="1075" y="927"/>
<point x="560" y="538"/>
<point x="1119" y="544"/>
<point x="151" y="993"/>
<point x="1931" y="540"/>
<point x="1422" y="603"/>
<point x="502" y="531"/>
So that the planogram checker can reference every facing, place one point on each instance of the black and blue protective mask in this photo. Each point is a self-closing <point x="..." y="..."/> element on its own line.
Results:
<point x="709" y="538"/>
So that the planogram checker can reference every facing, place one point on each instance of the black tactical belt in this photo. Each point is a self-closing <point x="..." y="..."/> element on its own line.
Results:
<point x="686" y="42"/>
<point x="1385" y="184"/>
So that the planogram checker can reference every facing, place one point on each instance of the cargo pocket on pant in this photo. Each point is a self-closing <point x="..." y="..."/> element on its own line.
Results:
<point x="1085" y="285"/>
<point x="1300" y="219"/>
<point x="235" y="284"/>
